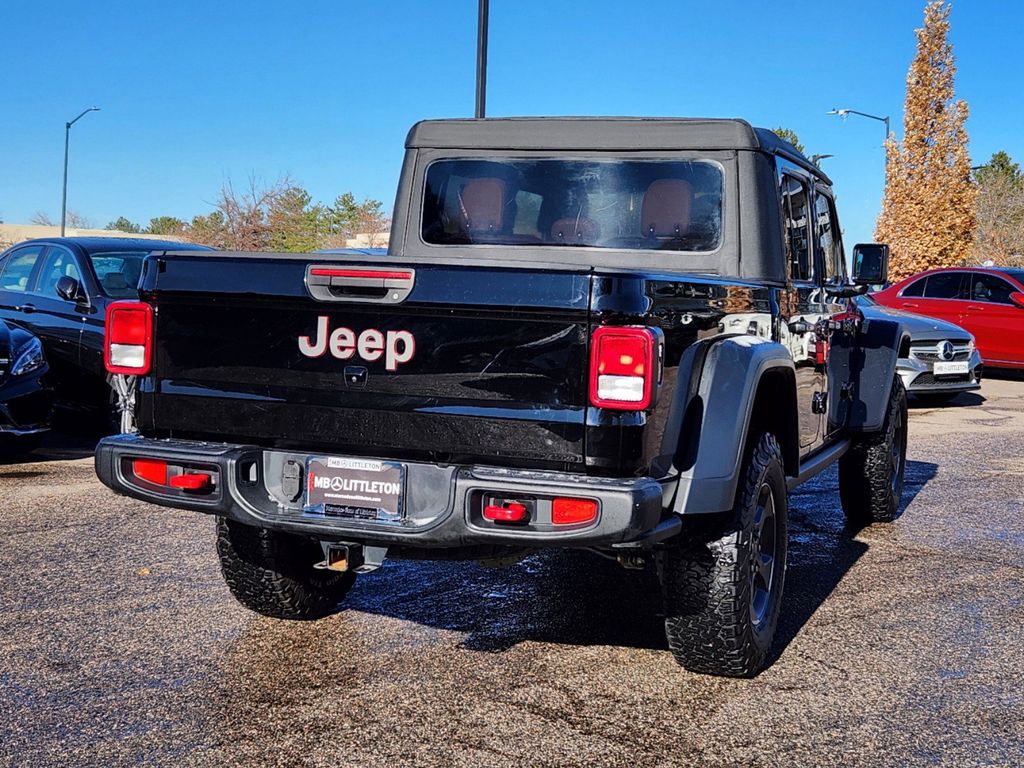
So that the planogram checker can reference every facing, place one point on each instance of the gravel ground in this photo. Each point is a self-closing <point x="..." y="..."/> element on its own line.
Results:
<point x="901" y="645"/>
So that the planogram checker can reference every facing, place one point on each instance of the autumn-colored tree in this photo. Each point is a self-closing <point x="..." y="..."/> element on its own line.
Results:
<point x="239" y="219"/>
<point x="71" y="219"/>
<point x="999" y="236"/>
<point x="928" y="212"/>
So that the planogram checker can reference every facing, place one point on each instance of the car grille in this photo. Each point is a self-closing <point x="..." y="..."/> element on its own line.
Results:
<point x="928" y="380"/>
<point x="929" y="352"/>
<point x="29" y="410"/>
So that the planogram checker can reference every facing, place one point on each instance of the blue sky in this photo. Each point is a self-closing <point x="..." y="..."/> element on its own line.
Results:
<point x="194" y="93"/>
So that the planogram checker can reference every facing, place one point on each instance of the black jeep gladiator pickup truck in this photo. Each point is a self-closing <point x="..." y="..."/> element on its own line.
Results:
<point x="633" y="336"/>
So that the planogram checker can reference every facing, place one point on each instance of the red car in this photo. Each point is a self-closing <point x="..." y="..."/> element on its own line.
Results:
<point x="987" y="301"/>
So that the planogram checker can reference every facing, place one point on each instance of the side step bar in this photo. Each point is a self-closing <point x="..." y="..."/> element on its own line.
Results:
<point x="819" y="462"/>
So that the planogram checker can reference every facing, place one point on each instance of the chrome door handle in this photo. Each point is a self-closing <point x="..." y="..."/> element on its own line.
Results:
<point x="28" y="309"/>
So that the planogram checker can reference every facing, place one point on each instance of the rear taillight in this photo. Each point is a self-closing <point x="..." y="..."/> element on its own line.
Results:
<point x="624" y="366"/>
<point x="573" y="511"/>
<point x="129" y="338"/>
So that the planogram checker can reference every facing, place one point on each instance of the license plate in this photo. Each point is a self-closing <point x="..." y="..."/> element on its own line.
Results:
<point x="356" y="489"/>
<point x="950" y="369"/>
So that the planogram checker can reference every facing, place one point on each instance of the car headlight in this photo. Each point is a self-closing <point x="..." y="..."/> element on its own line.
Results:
<point x="29" y="358"/>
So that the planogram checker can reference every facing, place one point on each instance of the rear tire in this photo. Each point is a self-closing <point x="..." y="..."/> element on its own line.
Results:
<point x="871" y="472"/>
<point x="722" y="582"/>
<point x="272" y="573"/>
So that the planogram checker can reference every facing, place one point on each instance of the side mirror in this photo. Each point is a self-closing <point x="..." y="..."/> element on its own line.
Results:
<point x="870" y="263"/>
<point x="1017" y="298"/>
<point x="70" y="289"/>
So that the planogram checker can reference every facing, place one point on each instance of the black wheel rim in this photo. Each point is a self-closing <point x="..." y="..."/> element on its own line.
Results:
<point x="898" y="455"/>
<point x="763" y="554"/>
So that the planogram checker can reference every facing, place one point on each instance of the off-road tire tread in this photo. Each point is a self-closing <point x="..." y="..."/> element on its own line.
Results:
<point x="865" y="488"/>
<point x="705" y="584"/>
<point x="271" y="572"/>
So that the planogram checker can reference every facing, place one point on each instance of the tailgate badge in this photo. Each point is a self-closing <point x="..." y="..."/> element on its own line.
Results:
<point x="396" y="347"/>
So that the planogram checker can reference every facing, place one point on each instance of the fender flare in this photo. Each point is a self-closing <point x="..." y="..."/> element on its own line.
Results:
<point x="710" y="419"/>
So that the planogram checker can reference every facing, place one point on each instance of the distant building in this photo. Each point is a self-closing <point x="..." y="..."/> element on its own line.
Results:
<point x="16" y="233"/>
<point x="363" y="240"/>
<point x="10" y="234"/>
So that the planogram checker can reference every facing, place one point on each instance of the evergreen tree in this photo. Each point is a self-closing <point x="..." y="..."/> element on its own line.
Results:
<point x="121" y="224"/>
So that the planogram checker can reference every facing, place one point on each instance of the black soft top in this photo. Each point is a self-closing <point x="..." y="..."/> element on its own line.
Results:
<point x="602" y="134"/>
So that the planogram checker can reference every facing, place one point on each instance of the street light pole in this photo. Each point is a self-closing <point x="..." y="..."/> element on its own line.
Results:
<point x="481" y="59"/>
<point x="844" y="112"/>
<point x="67" y="139"/>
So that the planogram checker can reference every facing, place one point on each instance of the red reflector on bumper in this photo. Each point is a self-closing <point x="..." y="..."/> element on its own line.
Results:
<point x="191" y="482"/>
<point x="573" y="511"/>
<point x="151" y="471"/>
<point x="510" y="513"/>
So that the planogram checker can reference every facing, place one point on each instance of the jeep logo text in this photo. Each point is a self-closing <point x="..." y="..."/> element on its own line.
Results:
<point x="396" y="347"/>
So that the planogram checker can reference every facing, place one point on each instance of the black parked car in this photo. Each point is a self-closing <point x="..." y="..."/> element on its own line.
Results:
<point x="59" y="289"/>
<point x="25" y="398"/>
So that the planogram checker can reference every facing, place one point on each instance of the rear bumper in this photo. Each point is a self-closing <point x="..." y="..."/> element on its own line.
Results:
<point x="442" y="503"/>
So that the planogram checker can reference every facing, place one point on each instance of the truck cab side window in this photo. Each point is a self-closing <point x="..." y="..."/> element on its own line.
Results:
<point x="795" y="211"/>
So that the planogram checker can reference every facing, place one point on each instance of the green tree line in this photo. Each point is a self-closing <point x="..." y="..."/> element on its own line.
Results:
<point x="278" y="217"/>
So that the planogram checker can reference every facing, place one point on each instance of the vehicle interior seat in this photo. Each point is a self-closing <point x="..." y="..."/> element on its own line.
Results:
<point x="114" y="283"/>
<point x="577" y="230"/>
<point x="131" y="270"/>
<point x="665" y="214"/>
<point x="482" y="204"/>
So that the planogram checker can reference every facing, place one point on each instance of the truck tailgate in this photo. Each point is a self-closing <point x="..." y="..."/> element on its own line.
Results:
<point x="474" y="364"/>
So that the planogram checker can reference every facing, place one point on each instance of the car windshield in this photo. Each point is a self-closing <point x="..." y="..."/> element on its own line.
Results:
<point x="1016" y="274"/>
<point x="636" y="204"/>
<point x="119" y="272"/>
<point x="868" y="298"/>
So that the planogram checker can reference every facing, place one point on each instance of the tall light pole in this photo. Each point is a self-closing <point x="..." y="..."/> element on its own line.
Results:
<point x="481" y="59"/>
<point x="844" y="112"/>
<point x="67" y="138"/>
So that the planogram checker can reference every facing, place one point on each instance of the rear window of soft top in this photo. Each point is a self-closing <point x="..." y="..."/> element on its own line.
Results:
<point x="623" y="204"/>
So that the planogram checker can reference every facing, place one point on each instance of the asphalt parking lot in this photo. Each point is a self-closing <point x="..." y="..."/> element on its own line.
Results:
<point x="902" y="644"/>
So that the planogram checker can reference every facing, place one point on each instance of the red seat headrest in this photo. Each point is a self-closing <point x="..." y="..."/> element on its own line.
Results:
<point x="576" y="230"/>
<point x="666" y="208"/>
<point x="483" y="204"/>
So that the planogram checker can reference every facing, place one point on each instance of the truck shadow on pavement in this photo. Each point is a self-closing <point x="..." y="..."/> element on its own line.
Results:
<point x="579" y="598"/>
<point x="961" y="400"/>
<point x="56" y="446"/>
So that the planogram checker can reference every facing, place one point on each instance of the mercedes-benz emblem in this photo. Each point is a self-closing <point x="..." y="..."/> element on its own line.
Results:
<point x="945" y="350"/>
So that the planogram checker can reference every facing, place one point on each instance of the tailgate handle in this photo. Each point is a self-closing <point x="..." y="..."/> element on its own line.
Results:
<point x="348" y="282"/>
